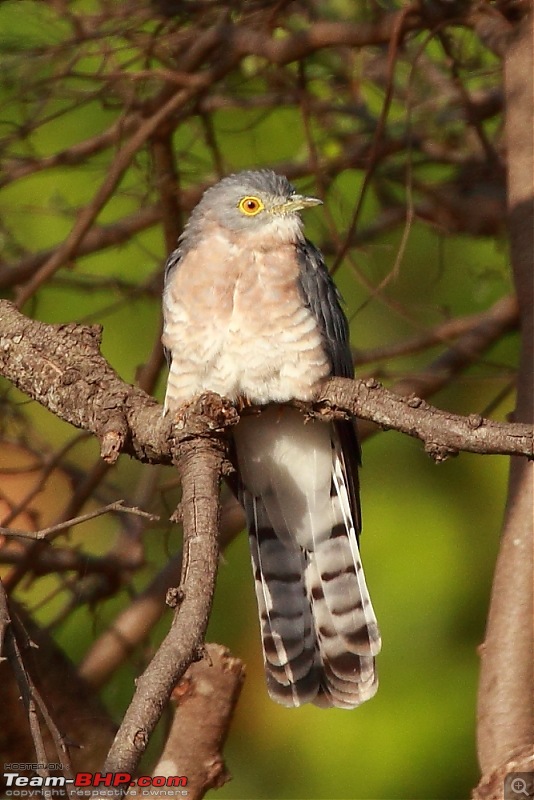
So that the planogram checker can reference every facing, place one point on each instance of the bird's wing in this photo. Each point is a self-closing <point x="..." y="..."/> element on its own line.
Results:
<point x="299" y="488"/>
<point x="322" y="297"/>
<point x="320" y="294"/>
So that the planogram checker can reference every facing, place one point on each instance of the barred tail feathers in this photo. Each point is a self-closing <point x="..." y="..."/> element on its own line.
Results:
<point x="287" y="628"/>
<point x="319" y="630"/>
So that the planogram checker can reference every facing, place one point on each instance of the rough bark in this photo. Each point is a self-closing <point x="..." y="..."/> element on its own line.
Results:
<point x="506" y="717"/>
<point x="61" y="367"/>
<point x="200" y="465"/>
<point x="205" y="700"/>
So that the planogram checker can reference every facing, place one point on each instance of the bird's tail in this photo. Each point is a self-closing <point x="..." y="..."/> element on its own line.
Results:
<point x="319" y="630"/>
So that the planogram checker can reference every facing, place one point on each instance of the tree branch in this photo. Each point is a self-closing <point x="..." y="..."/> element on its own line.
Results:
<point x="443" y="433"/>
<point x="200" y="464"/>
<point x="205" y="701"/>
<point x="114" y="176"/>
<point x="53" y="530"/>
<point x="97" y="238"/>
<point x="61" y="367"/>
<point x="506" y="723"/>
<point x="246" y="40"/>
<point x="501" y="317"/>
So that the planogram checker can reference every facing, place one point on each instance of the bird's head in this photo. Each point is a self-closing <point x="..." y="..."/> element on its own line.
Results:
<point x="261" y="203"/>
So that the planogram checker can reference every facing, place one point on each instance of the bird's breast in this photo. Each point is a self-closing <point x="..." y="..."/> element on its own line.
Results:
<point x="236" y="324"/>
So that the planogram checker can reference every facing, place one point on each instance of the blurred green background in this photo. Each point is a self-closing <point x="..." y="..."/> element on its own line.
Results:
<point x="430" y="532"/>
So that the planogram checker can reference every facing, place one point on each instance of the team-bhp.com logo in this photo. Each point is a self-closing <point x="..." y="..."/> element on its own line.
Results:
<point x="83" y="784"/>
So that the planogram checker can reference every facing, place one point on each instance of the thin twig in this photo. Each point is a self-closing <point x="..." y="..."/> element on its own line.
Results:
<point x="504" y="314"/>
<point x="13" y="654"/>
<point x="48" y="533"/>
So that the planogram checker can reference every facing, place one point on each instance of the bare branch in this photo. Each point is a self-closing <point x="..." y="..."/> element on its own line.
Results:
<point x="205" y="701"/>
<point x="78" y="153"/>
<point x="77" y="384"/>
<point x="504" y="315"/>
<point x="506" y="722"/>
<point x="70" y="699"/>
<point x="66" y="559"/>
<point x="115" y="173"/>
<point x="97" y="238"/>
<point x="200" y="463"/>
<point x="443" y="433"/>
<point x="247" y="41"/>
<point x="48" y="533"/>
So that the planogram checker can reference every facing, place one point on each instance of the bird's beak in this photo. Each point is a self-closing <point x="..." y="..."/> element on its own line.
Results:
<point x="297" y="202"/>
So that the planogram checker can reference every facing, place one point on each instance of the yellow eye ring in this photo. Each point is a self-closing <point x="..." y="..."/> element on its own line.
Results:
<point x="250" y="205"/>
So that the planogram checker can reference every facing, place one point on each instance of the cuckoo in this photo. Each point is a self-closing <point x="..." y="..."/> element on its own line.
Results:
<point x="251" y="312"/>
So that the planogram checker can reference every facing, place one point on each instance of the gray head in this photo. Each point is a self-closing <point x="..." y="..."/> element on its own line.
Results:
<point x="257" y="202"/>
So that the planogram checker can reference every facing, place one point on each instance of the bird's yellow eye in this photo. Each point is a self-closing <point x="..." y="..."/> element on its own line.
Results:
<point x="250" y="205"/>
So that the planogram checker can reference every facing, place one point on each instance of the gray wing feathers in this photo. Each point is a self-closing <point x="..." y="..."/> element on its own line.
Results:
<point x="321" y="296"/>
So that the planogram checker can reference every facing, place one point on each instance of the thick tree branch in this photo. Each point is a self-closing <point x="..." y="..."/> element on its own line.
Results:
<point x="132" y="625"/>
<point x="205" y="701"/>
<point x="245" y="40"/>
<point x="61" y="367"/>
<point x="443" y="433"/>
<point x="506" y="722"/>
<point x="200" y="464"/>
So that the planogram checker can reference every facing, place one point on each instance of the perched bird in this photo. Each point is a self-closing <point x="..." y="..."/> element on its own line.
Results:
<point x="250" y="312"/>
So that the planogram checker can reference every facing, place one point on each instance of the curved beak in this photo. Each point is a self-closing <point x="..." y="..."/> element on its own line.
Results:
<point x="297" y="202"/>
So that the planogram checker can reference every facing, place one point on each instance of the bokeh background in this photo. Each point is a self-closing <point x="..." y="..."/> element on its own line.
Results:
<point x="401" y="137"/>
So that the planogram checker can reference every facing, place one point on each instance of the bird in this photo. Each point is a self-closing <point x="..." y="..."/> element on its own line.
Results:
<point x="251" y="312"/>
